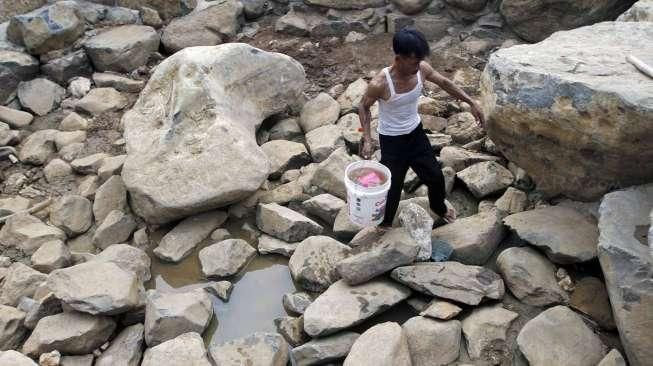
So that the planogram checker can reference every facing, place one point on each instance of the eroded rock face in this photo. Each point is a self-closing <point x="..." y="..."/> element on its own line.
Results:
<point x="577" y="119"/>
<point x="534" y="20"/>
<point x="192" y="131"/>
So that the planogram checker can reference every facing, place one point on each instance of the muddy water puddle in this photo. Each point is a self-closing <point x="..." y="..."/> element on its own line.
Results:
<point x="256" y="299"/>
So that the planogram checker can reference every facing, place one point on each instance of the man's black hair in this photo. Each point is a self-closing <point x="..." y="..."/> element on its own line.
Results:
<point x="410" y="42"/>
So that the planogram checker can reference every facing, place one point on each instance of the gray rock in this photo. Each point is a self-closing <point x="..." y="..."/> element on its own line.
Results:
<point x="323" y="110"/>
<point x="534" y="21"/>
<point x="15" y="118"/>
<point x="486" y="330"/>
<point x="561" y="329"/>
<point x="171" y="314"/>
<point x="179" y="242"/>
<point x="330" y="173"/>
<point x="206" y="26"/>
<point x="50" y="256"/>
<point x="440" y="310"/>
<point x="13" y="204"/>
<point x="486" y="178"/>
<point x="220" y="234"/>
<point x="67" y="67"/>
<point x="473" y="239"/>
<point x="347" y="4"/>
<point x="15" y="67"/>
<point x="213" y="161"/>
<point x="265" y="349"/>
<point x="46" y="29"/>
<point x="384" y="344"/>
<point x="432" y="342"/>
<point x="225" y="258"/>
<point x="627" y="265"/>
<point x="14" y="358"/>
<point x="285" y="155"/>
<point x="221" y="289"/>
<point x="117" y="227"/>
<point x="565" y="235"/>
<point x="125" y="349"/>
<point x="62" y="139"/>
<point x="69" y="332"/>
<point x="292" y="330"/>
<point x="296" y="302"/>
<point x="324" y="350"/>
<point x="128" y="258"/>
<point x="313" y="264"/>
<point x="84" y="287"/>
<point x="73" y="214"/>
<point x="284" y="223"/>
<point x="325" y="206"/>
<point x="392" y="250"/>
<point x="89" y="164"/>
<point x="343" y="228"/>
<point x="459" y="158"/>
<point x="12" y="329"/>
<point x="111" y="166"/>
<point x="85" y="360"/>
<point x="512" y="201"/>
<point x="20" y="281"/>
<point x="36" y="310"/>
<point x="418" y="223"/>
<point x="562" y="155"/>
<point x="88" y="186"/>
<point x="58" y="169"/>
<point x="186" y="349"/>
<point x="613" y="358"/>
<point x="118" y="82"/>
<point x="530" y="277"/>
<point x="78" y="87"/>
<point x="343" y="306"/>
<point x="463" y="128"/>
<point x="352" y="96"/>
<point x="641" y="11"/>
<point x="270" y="245"/>
<point x="591" y="298"/>
<point x="293" y="23"/>
<point x="286" y="129"/>
<point x="452" y="280"/>
<point x="38" y="147"/>
<point x="110" y="196"/>
<point x="123" y="48"/>
<point x="40" y="96"/>
<point x="323" y="141"/>
<point x="101" y="100"/>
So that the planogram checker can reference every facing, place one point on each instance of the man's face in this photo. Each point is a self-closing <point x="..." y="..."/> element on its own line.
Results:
<point x="408" y="65"/>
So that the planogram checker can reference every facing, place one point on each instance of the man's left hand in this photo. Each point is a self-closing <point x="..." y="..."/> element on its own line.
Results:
<point x="476" y="111"/>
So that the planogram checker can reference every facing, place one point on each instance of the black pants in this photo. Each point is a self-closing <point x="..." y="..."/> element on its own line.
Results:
<point x="413" y="150"/>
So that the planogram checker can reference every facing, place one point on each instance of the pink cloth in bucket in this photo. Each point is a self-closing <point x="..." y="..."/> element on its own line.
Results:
<point x="371" y="179"/>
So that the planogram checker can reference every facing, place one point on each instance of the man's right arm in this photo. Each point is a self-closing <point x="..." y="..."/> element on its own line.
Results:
<point x="372" y="94"/>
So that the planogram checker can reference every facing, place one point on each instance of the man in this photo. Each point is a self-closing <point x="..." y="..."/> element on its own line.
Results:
<point x="403" y="141"/>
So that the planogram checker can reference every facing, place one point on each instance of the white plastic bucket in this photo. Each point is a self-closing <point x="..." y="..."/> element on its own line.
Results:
<point x="367" y="204"/>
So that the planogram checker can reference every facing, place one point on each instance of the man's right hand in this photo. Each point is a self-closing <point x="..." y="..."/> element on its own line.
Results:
<point x="366" y="148"/>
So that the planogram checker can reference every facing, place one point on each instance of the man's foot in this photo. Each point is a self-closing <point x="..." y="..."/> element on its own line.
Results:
<point x="450" y="216"/>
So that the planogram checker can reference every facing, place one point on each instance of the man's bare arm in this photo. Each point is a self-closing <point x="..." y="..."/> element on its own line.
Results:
<point x="374" y="91"/>
<point x="454" y="90"/>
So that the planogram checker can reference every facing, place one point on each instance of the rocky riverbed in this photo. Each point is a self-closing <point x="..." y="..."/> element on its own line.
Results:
<point x="178" y="193"/>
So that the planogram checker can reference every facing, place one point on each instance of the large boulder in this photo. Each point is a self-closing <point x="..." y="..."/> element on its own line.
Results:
<point x="40" y="96"/>
<point x="627" y="265"/>
<point x="207" y="105"/>
<point x="452" y="280"/>
<point x="46" y="29"/>
<point x="325" y="349"/>
<point x="564" y="331"/>
<point x="432" y="342"/>
<point x="179" y="242"/>
<point x="187" y="349"/>
<point x="485" y="331"/>
<point x="577" y="119"/>
<point x="14" y="7"/>
<point x="564" y="234"/>
<point x="28" y="233"/>
<point x="284" y="223"/>
<point x="384" y="344"/>
<point x="70" y="333"/>
<point x="126" y="348"/>
<point x="15" y="67"/>
<point x="122" y="49"/>
<point x="207" y="26"/>
<point x="12" y="327"/>
<point x="343" y="306"/>
<point x="84" y="287"/>
<point x="15" y="359"/>
<point x="225" y="258"/>
<point x="20" y="281"/>
<point x="313" y="264"/>
<point x="171" y="314"/>
<point x="535" y="20"/>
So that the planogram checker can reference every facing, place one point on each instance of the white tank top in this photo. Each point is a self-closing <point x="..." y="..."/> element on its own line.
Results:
<point x="398" y="115"/>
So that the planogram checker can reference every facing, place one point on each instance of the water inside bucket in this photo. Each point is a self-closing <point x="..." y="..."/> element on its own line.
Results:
<point x="367" y="177"/>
